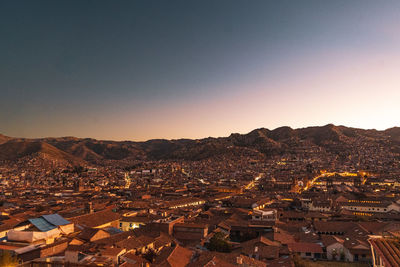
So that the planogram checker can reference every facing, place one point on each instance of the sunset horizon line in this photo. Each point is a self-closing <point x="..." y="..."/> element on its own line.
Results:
<point x="196" y="138"/>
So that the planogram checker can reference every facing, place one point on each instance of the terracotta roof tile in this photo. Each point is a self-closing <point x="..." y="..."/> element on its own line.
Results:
<point x="305" y="247"/>
<point x="96" y="219"/>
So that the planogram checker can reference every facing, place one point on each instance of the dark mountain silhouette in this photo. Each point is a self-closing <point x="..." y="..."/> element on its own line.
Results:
<point x="13" y="150"/>
<point x="4" y="139"/>
<point x="394" y="133"/>
<point x="263" y="141"/>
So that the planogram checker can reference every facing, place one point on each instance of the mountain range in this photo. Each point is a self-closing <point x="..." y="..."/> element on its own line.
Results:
<point x="264" y="141"/>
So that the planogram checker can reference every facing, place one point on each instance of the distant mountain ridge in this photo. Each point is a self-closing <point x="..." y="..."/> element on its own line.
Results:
<point x="4" y="139"/>
<point x="13" y="150"/>
<point x="264" y="141"/>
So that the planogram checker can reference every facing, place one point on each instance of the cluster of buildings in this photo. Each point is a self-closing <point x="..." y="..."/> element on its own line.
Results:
<point x="238" y="209"/>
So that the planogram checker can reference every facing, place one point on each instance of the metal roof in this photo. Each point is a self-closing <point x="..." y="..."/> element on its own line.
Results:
<point x="55" y="219"/>
<point x="42" y="224"/>
<point x="113" y="230"/>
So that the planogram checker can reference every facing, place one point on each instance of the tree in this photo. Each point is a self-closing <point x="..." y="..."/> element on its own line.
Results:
<point x="150" y="255"/>
<point x="219" y="243"/>
<point x="309" y="168"/>
<point x="298" y="261"/>
<point x="342" y="255"/>
<point x="39" y="208"/>
<point x="78" y="169"/>
<point x="6" y="259"/>
<point x="334" y="254"/>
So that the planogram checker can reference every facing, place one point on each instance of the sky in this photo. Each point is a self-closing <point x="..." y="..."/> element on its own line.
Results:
<point x="139" y="70"/>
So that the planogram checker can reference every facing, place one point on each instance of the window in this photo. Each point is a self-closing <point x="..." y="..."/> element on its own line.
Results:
<point x="308" y="254"/>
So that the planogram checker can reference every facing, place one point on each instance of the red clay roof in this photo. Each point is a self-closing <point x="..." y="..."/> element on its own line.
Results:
<point x="180" y="256"/>
<point x="215" y="261"/>
<point x="305" y="247"/>
<point x="96" y="219"/>
<point x="388" y="250"/>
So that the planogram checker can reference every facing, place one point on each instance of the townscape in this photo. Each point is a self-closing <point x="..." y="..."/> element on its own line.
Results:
<point x="283" y="197"/>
